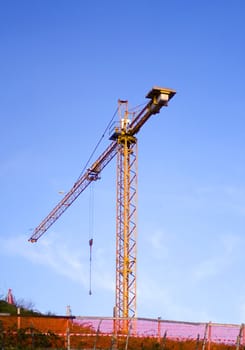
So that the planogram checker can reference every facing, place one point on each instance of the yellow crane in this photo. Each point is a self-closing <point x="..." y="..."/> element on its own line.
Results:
<point x="124" y="146"/>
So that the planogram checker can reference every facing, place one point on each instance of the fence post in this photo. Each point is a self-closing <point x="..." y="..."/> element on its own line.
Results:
<point x="209" y="334"/>
<point x="18" y="317"/>
<point x="197" y="341"/>
<point x="159" y="329"/>
<point x="97" y="334"/>
<point x="1" y="335"/>
<point x="205" y="336"/>
<point x="164" y="340"/>
<point x="243" y="334"/>
<point x="115" y="329"/>
<point x="128" y="335"/>
<point x="239" y="337"/>
<point x="68" y="338"/>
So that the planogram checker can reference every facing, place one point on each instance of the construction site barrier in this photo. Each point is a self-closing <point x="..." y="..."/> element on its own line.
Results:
<point x="95" y="328"/>
<point x="175" y="330"/>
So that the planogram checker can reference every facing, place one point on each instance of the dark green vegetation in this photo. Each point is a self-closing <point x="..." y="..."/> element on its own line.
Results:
<point x="12" y="309"/>
<point x="28" y="338"/>
<point x="13" y="337"/>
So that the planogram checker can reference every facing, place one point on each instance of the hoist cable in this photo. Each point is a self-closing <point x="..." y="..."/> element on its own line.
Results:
<point x="90" y="266"/>
<point x="91" y="230"/>
<point x="136" y="108"/>
<point x="91" y="214"/>
<point x="98" y="143"/>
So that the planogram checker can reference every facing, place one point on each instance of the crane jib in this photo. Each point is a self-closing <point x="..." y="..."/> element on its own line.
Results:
<point x="92" y="174"/>
<point x="159" y="97"/>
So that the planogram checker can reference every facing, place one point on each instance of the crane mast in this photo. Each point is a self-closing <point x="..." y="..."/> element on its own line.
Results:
<point x="126" y="222"/>
<point x="124" y="145"/>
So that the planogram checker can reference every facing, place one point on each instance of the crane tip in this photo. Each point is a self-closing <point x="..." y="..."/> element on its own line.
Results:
<point x="32" y="240"/>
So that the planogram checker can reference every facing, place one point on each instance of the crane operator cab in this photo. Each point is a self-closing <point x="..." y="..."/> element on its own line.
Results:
<point x="124" y="124"/>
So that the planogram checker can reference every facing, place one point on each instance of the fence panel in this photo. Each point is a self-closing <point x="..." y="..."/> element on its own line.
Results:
<point x="97" y="328"/>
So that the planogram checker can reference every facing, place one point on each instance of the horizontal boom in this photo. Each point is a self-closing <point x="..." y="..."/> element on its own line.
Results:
<point x="159" y="97"/>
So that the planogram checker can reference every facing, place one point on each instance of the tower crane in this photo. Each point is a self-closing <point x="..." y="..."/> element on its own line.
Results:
<point x="124" y="146"/>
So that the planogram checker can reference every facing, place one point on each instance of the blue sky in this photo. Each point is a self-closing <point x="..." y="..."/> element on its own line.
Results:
<point x="63" y="66"/>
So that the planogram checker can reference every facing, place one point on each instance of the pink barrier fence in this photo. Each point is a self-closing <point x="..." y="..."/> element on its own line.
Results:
<point x="211" y="332"/>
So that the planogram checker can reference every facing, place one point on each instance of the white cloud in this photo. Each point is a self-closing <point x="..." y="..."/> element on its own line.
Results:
<point x="103" y="273"/>
<point x="158" y="242"/>
<point x="220" y="259"/>
<point x="229" y="196"/>
<point x="242" y="311"/>
<point x="60" y="257"/>
<point x="207" y="268"/>
<point x="160" y="301"/>
<point x="16" y="163"/>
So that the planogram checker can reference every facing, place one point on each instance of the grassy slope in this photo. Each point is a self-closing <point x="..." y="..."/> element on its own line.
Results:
<point x="12" y="309"/>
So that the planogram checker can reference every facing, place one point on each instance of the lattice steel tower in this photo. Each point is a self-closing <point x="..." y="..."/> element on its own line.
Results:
<point x="126" y="219"/>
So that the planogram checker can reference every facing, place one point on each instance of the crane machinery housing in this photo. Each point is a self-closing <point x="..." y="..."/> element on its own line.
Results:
<point x="124" y="145"/>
